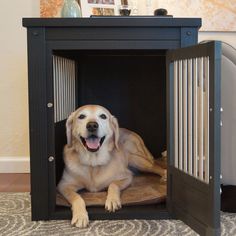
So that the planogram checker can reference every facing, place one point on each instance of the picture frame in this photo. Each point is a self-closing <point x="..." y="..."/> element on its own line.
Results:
<point x="100" y="7"/>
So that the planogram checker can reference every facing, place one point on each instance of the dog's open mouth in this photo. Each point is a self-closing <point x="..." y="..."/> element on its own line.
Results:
<point x="92" y="143"/>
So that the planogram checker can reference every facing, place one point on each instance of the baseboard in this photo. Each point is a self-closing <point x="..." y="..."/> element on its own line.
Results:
<point x="14" y="164"/>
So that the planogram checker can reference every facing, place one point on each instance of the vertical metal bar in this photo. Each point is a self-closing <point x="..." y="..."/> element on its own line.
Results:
<point x="57" y="88"/>
<point x="70" y="89"/>
<point x="195" y="116"/>
<point x="60" y="89"/>
<point x="206" y="118"/>
<point x="74" y="86"/>
<point x="185" y="117"/>
<point x="54" y="88"/>
<point x="67" y="108"/>
<point x="200" y="118"/>
<point x="190" y="117"/>
<point x="56" y="85"/>
<point x="72" y="78"/>
<point x="63" y="88"/>
<point x="176" y="114"/>
<point x="71" y="81"/>
<point x="180" y="116"/>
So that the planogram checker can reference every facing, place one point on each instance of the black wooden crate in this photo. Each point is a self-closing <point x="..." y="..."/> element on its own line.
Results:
<point x="108" y="54"/>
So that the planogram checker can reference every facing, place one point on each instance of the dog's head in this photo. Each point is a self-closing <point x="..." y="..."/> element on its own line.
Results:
<point x="92" y="126"/>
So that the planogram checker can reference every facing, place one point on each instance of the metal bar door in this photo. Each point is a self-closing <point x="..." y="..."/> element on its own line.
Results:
<point x="193" y="127"/>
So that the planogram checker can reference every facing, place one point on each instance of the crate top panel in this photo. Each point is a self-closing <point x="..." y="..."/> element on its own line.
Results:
<point x="131" y="21"/>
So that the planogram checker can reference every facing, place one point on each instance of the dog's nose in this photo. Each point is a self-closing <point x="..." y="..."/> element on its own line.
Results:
<point x="92" y="126"/>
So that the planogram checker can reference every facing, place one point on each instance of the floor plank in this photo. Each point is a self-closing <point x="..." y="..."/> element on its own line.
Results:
<point x="14" y="182"/>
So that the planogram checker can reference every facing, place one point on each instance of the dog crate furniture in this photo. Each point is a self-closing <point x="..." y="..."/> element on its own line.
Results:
<point x="151" y="74"/>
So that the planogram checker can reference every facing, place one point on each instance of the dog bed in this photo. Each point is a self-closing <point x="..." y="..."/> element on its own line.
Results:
<point x="145" y="189"/>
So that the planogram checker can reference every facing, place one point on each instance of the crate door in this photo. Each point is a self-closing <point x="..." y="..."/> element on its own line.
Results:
<point x="193" y="111"/>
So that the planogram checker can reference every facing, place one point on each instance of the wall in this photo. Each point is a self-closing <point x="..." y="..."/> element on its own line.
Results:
<point x="229" y="37"/>
<point x="216" y="15"/>
<point x="14" y="145"/>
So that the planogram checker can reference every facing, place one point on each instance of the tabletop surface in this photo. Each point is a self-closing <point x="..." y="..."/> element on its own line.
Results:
<point x="113" y="21"/>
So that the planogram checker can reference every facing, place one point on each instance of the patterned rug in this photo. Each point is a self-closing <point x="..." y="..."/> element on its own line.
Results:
<point x="15" y="219"/>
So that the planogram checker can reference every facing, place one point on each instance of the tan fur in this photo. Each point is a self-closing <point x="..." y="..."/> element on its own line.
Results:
<point x="105" y="169"/>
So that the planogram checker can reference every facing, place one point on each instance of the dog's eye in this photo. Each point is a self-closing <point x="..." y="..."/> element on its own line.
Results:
<point x="82" y="116"/>
<point x="103" y="116"/>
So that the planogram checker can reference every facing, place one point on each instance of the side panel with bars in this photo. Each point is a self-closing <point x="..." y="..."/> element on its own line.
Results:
<point x="191" y="116"/>
<point x="193" y="106"/>
<point x="64" y="75"/>
<point x="65" y="102"/>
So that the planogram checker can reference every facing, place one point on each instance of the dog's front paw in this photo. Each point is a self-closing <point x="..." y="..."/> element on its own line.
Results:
<point x="112" y="204"/>
<point x="80" y="219"/>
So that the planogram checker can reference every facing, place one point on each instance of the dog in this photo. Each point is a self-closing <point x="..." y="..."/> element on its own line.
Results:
<point x="97" y="156"/>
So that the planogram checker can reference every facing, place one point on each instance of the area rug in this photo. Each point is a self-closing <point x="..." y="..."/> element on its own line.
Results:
<point x="15" y="219"/>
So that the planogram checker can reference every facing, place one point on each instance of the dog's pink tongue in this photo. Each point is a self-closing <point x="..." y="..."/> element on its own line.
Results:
<point x="93" y="143"/>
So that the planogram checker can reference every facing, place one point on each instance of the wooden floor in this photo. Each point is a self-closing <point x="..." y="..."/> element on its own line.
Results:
<point x="14" y="182"/>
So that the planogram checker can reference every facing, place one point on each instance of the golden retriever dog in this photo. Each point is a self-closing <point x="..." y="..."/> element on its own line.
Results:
<point x="97" y="156"/>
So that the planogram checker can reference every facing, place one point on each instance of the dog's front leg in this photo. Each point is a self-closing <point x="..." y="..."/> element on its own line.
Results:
<point x="113" y="201"/>
<point x="79" y="213"/>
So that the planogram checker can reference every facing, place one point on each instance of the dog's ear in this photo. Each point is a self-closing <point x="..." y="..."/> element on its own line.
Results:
<point x="116" y="132"/>
<point x="69" y="123"/>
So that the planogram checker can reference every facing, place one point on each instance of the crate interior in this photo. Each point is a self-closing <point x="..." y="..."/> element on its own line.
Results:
<point x="132" y="85"/>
